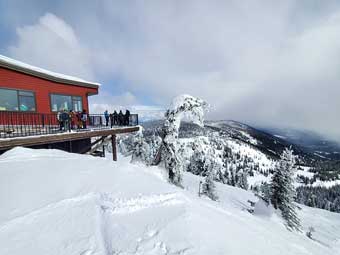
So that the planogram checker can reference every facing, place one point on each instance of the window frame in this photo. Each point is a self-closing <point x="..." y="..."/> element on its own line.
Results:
<point x="18" y="99"/>
<point x="61" y="94"/>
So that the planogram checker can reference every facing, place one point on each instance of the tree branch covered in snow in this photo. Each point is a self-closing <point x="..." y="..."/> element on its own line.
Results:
<point x="182" y="106"/>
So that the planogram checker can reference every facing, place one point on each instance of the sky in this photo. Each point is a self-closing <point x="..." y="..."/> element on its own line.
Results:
<point x="265" y="63"/>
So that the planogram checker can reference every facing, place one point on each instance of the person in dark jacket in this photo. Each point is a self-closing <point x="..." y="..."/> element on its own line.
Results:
<point x="115" y="118"/>
<point x="120" y="118"/>
<point x="127" y="117"/>
<point x="65" y="119"/>
<point x="111" y="119"/>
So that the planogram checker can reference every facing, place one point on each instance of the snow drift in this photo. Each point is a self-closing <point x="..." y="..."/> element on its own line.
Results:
<point x="53" y="202"/>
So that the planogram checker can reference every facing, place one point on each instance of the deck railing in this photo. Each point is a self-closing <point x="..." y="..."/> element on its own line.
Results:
<point x="21" y="124"/>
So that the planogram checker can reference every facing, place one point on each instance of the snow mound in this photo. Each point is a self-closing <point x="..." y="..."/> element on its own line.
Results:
<point x="54" y="202"/>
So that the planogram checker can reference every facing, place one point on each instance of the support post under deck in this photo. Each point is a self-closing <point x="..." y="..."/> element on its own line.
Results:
<point x="114" y="147"/>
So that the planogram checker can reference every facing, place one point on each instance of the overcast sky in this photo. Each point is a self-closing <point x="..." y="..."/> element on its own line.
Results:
<point x="269" y="63"/>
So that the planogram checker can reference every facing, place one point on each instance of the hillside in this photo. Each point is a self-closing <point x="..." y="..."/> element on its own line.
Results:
<point x="53" y="202"/>
<point x="265" y="142"/>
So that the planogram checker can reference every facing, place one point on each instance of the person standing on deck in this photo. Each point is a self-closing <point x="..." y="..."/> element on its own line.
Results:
<point x="127" y="117"/>
<point x="111" y="119"/>
<point x="115" y="118"/>
<point x="79" y="122"/>
<point x="65" y="120"/>
<point x="84" y="118"/>
<point x="120" y="118"/>
<point x="106" y="115"/>
<point x="72" y="119"/>
<point x="61" y="124"/>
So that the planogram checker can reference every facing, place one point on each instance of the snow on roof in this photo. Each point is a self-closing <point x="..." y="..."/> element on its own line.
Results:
<point x="18" y="66"/>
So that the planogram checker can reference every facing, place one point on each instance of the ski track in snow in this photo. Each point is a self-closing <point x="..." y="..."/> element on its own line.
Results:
<point x="124" y="206"/>
<point x="110" y="207"/>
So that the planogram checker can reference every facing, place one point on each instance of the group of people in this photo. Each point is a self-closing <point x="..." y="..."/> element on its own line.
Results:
<point x="117" y="119"/>
<point x="72" y="120"/>
<point x="78" y="120"/>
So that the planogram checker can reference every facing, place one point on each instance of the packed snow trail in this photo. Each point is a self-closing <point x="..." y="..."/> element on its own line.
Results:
<point x="53" y="202"/>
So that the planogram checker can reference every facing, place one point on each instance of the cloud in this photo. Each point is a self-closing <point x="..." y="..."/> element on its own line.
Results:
<point x="123" y="102"/>
<point x="259" y="62"/>
<point x="52" y="44"/>
<point x="106" y="101"/>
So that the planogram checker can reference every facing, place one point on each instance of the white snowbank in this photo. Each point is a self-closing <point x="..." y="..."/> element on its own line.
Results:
<point x="53" y="202"/>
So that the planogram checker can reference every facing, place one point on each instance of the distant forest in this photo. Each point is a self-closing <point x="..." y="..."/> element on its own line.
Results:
<point x="320" y="197"/>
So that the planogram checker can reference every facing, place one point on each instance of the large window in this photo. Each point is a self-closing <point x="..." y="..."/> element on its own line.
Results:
<point x="65" y="102"/>
<point x="17" y="100"/>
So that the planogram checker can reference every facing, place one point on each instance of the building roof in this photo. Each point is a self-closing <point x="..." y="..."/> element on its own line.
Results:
<point x="44" y="74"/>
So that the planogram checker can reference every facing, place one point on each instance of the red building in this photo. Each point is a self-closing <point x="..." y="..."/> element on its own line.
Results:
<point x="24" y="88"/>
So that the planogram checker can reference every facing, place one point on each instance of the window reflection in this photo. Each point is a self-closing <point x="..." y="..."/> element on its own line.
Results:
<point x="64" y="102"/>
<point x="17" y="100"/>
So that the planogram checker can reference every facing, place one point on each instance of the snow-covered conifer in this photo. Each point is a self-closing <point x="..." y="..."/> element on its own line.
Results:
<point x="154" y="145"/>
<point x="242" y="178"/>
<point x="141" y="150"/>
<point x="182" y="106"/>
<point x="283" y="191"/>
<point x="209" y="188"/>
<point x="196" y="165"/>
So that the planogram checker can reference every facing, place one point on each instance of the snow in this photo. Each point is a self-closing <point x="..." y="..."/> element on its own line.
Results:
<point x="20" y="64"/>
<point x="305" y="173"/>
<point x="263" y="210"/>
<point x="248" y="137"/>
<point x="326" y="184"/>
<point x="281" y="137"/>
<point x="246" y="150"/>
<point x="320" y="156"/>
<point x="53" y="202"/>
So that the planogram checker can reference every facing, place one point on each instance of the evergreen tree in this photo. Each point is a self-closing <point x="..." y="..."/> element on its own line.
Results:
<point x="141" y="149"/>
<point x="197" y="160"/>
<point x="209" y="188"/>
<point x="154" y="144"/>
<point x="282" y="190"/>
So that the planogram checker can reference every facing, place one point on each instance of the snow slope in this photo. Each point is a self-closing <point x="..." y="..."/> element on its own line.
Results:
<point x="53" y="202"/>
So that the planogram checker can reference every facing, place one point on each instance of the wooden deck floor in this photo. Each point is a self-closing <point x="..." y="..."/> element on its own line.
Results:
<point x="8" y="143"/>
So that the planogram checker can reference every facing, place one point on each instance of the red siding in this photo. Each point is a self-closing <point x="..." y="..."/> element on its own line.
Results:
<point x="42" y="88"/>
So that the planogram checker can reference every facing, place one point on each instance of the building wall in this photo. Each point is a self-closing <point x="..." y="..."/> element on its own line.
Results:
<point x="42" y="88"/>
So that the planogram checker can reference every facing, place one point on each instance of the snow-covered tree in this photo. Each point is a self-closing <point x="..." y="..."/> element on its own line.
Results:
<point x="209" y="188"/>
<point x="237" y="168"/>
<point x="141" y="149"/>
<point x="241" y="180"/>
<point x="154" y="144"/>
<point x="283" y="191"/>
<point x="182" y="106"/>
<point x="265" y="192"/>
<point x="125" y="144"/>
<point x="197" y="159"/>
